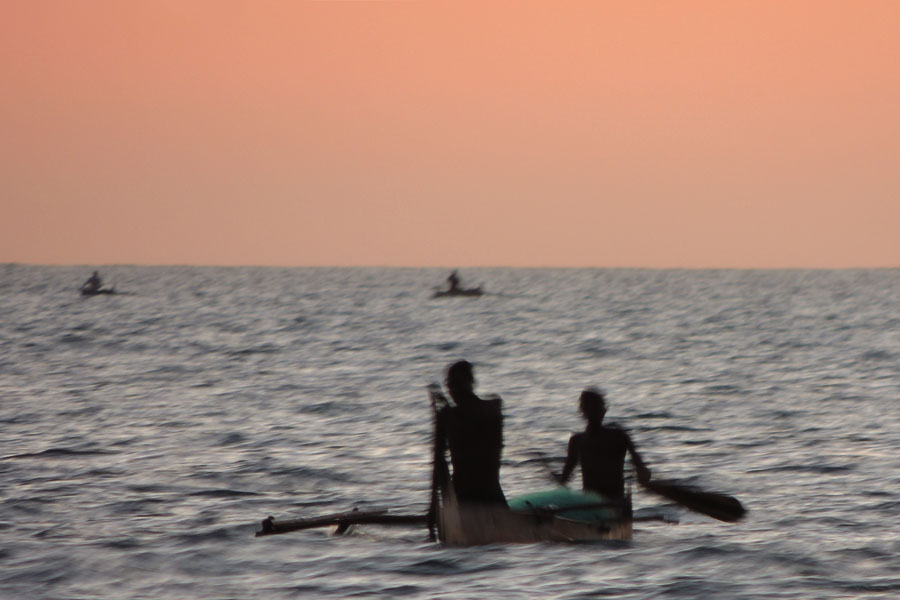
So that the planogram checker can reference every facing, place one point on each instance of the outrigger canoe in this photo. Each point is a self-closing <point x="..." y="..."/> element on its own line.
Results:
<point x="557" y="515"/>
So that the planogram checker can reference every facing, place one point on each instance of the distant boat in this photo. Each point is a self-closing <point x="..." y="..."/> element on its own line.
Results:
<point x="99" y="292"/>
<point x="458" y="292"/>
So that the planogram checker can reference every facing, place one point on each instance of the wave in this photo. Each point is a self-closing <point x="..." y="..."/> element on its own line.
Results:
<point x="817" y="469"/>
<point x="60" y="453"/>
<point x="222" y="493"/>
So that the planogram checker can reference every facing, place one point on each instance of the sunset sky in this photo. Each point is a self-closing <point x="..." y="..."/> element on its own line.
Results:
<point x="608" y="134"/>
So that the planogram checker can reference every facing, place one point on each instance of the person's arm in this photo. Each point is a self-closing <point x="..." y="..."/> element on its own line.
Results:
<point x="571" y="460"/>
<point x="439" y="470"/>
<point x="643" y="473"/>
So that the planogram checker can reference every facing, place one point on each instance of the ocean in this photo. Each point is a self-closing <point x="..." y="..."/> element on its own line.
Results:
<point x="145" y="435"/>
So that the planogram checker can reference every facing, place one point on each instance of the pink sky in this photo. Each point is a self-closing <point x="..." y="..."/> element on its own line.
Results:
<point x="657" y="134"/>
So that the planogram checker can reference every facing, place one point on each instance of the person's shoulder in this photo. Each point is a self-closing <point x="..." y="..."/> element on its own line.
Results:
<point x="445" y="410"/>
<point x="491" y="407"/>
<point x="494" y="401"/>
<point x="616" y="429"/>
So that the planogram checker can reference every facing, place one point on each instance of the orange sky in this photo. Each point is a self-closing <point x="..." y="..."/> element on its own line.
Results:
<point x="659" y="134"/>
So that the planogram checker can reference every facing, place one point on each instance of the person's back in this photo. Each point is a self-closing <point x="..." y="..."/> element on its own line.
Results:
<point x="472" y="430"/>
<point x="601" y="449"/>
<point x="601" y="452"/>
<point x="474" y="435"/>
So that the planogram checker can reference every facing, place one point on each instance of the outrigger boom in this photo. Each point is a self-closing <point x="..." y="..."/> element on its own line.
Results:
<point x="342" y="520"/>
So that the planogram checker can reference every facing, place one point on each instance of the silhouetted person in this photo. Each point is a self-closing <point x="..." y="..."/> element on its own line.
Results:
<point x="472" y="429"/>
<point x="93" y="283"/>
<point x="601" y="451"/>
<point x="453" y="281"/>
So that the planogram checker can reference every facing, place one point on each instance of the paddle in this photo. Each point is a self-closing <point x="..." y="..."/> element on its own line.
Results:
<point x="712" y="504"/>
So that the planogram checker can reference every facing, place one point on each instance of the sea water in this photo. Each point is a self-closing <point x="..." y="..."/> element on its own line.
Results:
<point x="144" y="435"/>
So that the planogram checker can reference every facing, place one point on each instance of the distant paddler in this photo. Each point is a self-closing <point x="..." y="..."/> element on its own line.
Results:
<point x="453" y="281"/>
<point x="93" y="284"/>
<point x="455" y="289"/>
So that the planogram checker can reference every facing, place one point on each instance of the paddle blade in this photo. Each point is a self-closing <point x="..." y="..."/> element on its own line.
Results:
<point x="712" y="504"/>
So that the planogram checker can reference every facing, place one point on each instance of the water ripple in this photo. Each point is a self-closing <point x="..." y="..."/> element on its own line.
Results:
<point x="146" y="437"/>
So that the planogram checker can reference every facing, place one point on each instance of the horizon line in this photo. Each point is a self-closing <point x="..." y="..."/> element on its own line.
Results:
<point x="451" y="266"/>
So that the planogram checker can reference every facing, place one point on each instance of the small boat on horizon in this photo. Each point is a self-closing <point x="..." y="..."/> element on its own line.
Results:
<point x="474" y="292"/>
<point x="100" y="292"/>
<point x="94" y="286"/>
<point x="454" y="289"/>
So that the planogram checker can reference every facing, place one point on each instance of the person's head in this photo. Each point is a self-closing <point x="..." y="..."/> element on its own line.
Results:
<point x="460" y="378"/>
<point x="592" y="404"/>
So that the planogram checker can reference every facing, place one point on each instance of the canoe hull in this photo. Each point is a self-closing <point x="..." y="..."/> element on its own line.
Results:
<point x="474" y="524"/>
<point x="100" y="292"/>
